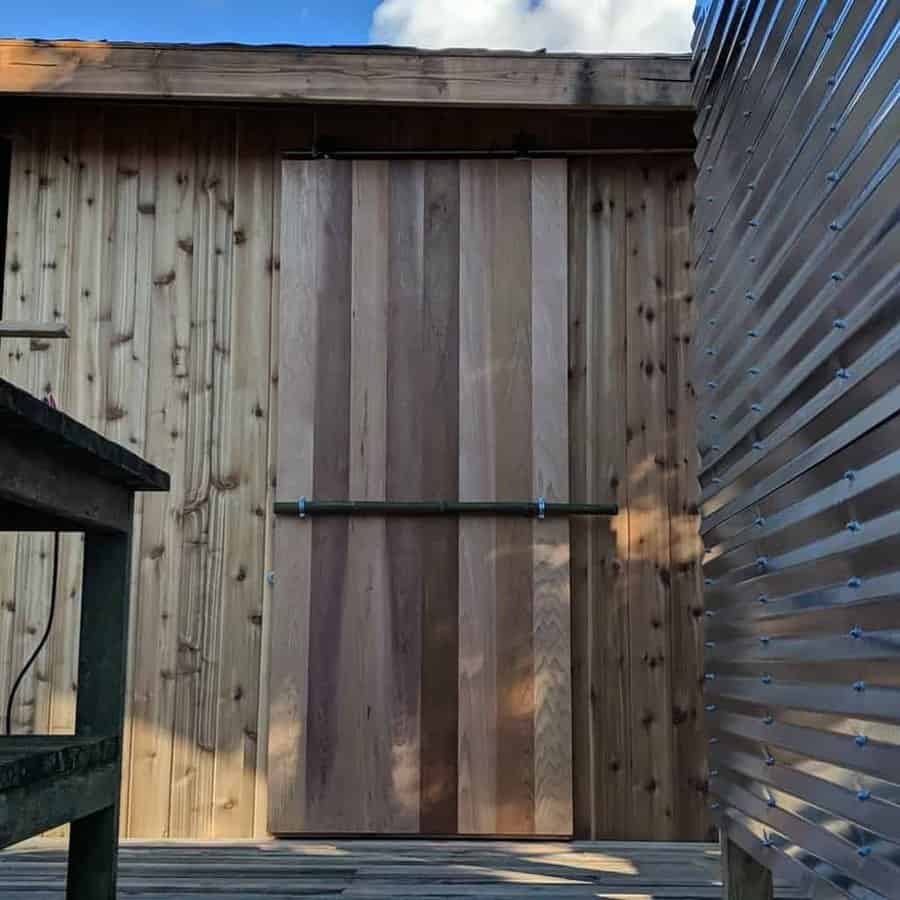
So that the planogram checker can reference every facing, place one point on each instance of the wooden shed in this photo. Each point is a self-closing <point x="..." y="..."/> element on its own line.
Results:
<point x="371" y="274"/>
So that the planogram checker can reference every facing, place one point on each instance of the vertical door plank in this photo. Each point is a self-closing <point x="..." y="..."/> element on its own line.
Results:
<point x="430" y="350"/>
<point x="478" y="702"/>
<point x="298" y="360"/>
<point x="364" y="769"/>
<point x="510" y="305"/>
<point x="405" y="462"/>
<point x="550" y="479"/>
<point x="649" y="570"/>
<point x="597" y="310"/>
<point x="328" y="805"/>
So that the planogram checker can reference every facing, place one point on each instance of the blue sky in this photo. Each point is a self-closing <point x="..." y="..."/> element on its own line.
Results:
<point x="587" y="25"/>
<point x="245" y="21"/>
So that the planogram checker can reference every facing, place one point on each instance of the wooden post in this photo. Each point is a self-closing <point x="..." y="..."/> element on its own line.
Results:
<point x="743" y="878"/>
<point x="93" y="846"/>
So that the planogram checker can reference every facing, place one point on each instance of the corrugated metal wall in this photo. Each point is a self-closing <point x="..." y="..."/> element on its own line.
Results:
<point x="798" y="375"/>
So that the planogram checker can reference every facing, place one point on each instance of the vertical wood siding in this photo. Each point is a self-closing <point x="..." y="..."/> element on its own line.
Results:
<point x="640" y="751"/>
<point x="155" y="234"/>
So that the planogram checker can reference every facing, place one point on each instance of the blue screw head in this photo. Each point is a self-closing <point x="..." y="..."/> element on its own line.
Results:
<point x="859" y="686"/>
<point x="762" y="562"/>
<point x="863" y="795"/>
<point x="843" y="374"/>
<point x="766" y="679"/>
<point x="840" y="324"/>
<point x="764" y="640"/>
<point x="763" y="598"/>
<point x="854" y="582"/>
<point x="768" y="719"/>
<point x="854" y="526"/>
<point x="864" y="851"/>
<point x="759" y="521"/>
<point x="770" y="801"/>
<point x="856" y="632"/>
<point x="861" y="740"/>
<point x="770" y="760"/>
<point x="756" y="407"/>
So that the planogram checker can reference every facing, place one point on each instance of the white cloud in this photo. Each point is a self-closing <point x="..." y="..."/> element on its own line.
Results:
<point x="594" y="26"/>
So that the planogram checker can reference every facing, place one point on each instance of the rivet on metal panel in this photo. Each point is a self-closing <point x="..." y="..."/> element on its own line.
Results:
<point x="763" y="598"/>
<point x="770" y="801"/>
<point x="709" y="581"/>
<point x="854" y="526"/>
<point x="768" y="719"/>
<point x="859" y="686"/>
<point x="829" y="34"/>
<point x="768" y="842"/>
<point x="753" y="259"/>
<point x="837" y="276"/>
<point x="759" y="521"/>
<point x="831" y="81"/>
<point x="711" y="707"/>
<point x="840" y="324"/>
<point x="843" y="374"/>
<point x="709" y="613"/>
<point x="751" y="186"/>
<point x="753" y="223"/>
<point x="710" y="199"/>
<point x="833" y="127"/>
<point x="752" y="333"/>
<point x="861" y="740"/>
<point x="709" y="168"/>
<point x="710" y="259"/>
<point x="835" y="226"/>
<point x="833" y="177"/>
<point x="712" y="290"/>
<point x="758" y="445"/>
<point x="850" y="475"/>
<point x="856" y="632"/>
<point x="863" y="795"/>
<point x="715" y="805"/>
<point x="715" y="448"/>
<point x="747" y="113"/>
<point x="709" y="676"/>
<point x="764" y="640"/>
<point x="753" y="371"/>
<point x="762" y="562"/>
<point x="712" y="385"/>
<point x="710" y="351"/>
<point x="750" y="296"/>
<point x="766" y="679"/>
<point x="864" y="851"/>
<point x="714" y="417"/>
<point x="710" y="230"/>
<point x="750" y="150"/>
<point x="755" y="407"/>
<point x="770" y="760"/>
<point x="854" y="582"/>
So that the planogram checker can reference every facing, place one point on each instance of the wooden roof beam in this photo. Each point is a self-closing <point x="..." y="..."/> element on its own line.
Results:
<point x="370" y="75"/>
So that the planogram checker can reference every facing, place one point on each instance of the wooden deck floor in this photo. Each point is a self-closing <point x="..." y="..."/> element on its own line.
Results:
<point x="277" y="870"/>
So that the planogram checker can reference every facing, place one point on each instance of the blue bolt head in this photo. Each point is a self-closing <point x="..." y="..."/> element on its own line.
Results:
<point x="863" y="795"/>
<point x="765" y="640"/>
<point x="859" y="686"/>
<point x="762" y="598"/>
<point x="756" y="407"/>
<point x="854" y="526"/>
<point x="861" y="740"/>
<point x="770" y="760"/>
<point x="854" y="582"/>
<point x="856" y="632"/>
<point x="768" y="719"/>
<point x="766" y="679"/>
<point x="864" y="851"/>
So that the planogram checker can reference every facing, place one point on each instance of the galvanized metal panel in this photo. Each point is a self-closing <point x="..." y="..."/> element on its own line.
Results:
<point x="797" y="236"/>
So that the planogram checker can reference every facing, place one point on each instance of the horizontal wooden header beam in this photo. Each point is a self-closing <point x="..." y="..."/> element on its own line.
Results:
<point x="342" y="75"/>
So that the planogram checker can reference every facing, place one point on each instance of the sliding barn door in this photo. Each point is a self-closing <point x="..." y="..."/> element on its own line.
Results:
<point x="421" y="667"/>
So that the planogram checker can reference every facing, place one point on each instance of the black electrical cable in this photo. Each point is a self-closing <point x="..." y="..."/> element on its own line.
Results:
<point x="46" y="636"/>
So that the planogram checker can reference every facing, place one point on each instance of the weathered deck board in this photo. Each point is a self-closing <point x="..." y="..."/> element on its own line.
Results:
<point x="357" y="869"/>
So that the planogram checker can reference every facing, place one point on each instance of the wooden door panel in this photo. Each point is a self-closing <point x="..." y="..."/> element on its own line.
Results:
<point x="420" y="667"/>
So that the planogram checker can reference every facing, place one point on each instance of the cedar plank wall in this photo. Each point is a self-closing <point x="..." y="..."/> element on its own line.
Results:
<point x="154" y="233"/>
